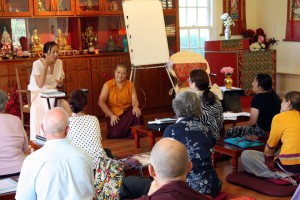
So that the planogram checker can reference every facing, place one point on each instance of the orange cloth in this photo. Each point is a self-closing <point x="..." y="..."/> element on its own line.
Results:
<point x="119" y="98"/>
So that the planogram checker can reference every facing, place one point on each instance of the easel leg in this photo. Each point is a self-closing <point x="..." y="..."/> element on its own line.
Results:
<point x="133" y="73"/>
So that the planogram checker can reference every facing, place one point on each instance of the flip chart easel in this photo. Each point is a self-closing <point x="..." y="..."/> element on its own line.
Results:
<point x="146" y="34"/>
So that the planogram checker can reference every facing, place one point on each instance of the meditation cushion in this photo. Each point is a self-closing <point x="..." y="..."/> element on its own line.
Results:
<point x="261" y="185"/>
<point x="221" y="196"/>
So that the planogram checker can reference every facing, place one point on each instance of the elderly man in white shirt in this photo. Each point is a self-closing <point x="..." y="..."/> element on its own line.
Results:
<point x="59" y="170"/>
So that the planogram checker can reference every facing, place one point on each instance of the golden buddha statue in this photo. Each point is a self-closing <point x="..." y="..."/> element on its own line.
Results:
<point x="36" y="41"/>
<point x="89" y="38"/>
<point x="41" y="6"/>
<point x="62" y="41"/>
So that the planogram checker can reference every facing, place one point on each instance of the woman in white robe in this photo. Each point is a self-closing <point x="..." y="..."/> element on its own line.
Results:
<point x="47" y="73"/>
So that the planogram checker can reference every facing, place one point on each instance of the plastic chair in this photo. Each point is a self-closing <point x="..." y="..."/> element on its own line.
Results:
<point x="23" y="76"/>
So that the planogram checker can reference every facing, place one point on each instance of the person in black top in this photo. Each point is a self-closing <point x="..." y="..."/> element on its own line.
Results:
<point x="264" y="106"/>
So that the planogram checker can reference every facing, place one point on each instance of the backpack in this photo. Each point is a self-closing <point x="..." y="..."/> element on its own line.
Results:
<point x="108" y="179"/>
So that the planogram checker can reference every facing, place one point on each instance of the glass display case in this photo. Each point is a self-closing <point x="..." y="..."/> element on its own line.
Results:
<point x="16" y="8"/>
<point x="54" y="7"/>
<point x="87" y="7"/>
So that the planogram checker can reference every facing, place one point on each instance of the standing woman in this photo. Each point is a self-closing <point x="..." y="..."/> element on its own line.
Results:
<point x="118" y="100"/>
<point x="264" y="106"/>
<point x="211" y="106"/>
<point x="47" y="73"/>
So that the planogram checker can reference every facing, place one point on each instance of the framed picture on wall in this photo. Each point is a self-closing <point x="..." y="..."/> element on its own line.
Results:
<point x="293" y="21"/>
<point x="236" y="10"/>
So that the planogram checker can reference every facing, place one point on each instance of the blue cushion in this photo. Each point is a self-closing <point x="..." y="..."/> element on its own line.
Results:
<point x="243" y="143"/>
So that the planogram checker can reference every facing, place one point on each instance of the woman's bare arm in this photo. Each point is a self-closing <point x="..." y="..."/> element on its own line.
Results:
<point x="102" y="103"/>
<point x="253" y="116"/>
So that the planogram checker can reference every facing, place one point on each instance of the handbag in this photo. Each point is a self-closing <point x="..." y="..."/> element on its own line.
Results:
<point x="108" y="179"/>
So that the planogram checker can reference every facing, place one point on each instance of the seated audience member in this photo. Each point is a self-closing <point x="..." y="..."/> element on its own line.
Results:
<point x="211" y="106"/>
<point x="285" y="128"/>
<point x="264" y="106"/>
<point x="199" y="141"/>
<point x="84" y="129"/>
<point x="169" y="176"/>
<point x="59" y="170"/>
<point x="13" y="141"/>
<point x="118" y="100"/>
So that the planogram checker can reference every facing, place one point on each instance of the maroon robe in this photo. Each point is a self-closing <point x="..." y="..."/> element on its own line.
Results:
<point x="177" y="190"/>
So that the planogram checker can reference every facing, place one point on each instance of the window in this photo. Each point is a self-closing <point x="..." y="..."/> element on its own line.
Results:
<point x="194" y="24"/>
<point x="18" y="29"/>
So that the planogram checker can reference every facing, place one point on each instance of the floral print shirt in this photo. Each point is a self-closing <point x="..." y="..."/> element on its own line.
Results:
<point x="199" y="142"/>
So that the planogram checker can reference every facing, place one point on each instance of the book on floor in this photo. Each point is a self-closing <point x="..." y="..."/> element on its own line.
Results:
<point x="163" y="121"/>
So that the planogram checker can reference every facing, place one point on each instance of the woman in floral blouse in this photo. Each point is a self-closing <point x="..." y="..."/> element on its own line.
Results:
<point x="199" y="141"/>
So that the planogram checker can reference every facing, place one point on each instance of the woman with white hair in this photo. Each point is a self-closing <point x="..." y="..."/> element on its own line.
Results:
<point x="13" y="141"/>
<point x="199" y="141"/>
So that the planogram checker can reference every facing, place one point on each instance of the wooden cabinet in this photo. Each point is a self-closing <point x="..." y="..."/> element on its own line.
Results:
<point x="74" y="18"/>
<point x="16" y="8"/>
<point x="54" y="7"/>
<point x="78" y="76"/>
<point x="89" y="7"/>
<point x="98" y="7"/>
<point x="4" y="79"/>
<point x="156" y="85"/>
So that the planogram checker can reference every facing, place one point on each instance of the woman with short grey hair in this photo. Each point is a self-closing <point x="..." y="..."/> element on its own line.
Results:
<point x="199" y="141"/>
<point x="13" y="141"/>
<point x="187" y="104"/>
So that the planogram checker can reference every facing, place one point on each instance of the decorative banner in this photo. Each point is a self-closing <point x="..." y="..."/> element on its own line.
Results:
<point x="293" y="21"/>
<point x="236" y="10"/>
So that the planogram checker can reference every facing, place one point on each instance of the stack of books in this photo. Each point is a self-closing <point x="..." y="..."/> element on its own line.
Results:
<point x="166" y="3"/>
<point x="161" y="124"/>
<point x="170" y="30"/>
<point x="40" y="140"/>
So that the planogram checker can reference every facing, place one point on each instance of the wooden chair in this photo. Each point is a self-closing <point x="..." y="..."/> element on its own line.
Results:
<point x="23" y="72"/>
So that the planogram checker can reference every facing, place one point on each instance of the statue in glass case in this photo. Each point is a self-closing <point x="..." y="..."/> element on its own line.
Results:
<point x="61" y="40"/>
<point x="89" y="4"/>
<point x="89" y="38"/>
<point x="111" y="46"/>
<point x="36" y="42"/>
<point x="41" y="6"/>
<point x="6" y="40"/>
<point x="60" y="5"/>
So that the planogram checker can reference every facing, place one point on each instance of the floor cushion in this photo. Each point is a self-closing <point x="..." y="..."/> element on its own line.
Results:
<point x="221" y="196"/>
<point x="261" y="185"/>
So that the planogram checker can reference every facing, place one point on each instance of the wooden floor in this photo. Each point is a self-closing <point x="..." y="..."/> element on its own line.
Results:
<point x="123" y="147"/>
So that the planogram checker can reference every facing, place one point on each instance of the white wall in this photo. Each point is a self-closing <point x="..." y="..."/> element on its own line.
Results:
<point x="271" y="16"/>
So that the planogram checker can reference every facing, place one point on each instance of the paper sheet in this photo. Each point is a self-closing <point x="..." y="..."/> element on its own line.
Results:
<point x="7" y="185"/>
<point x="233" y="116"/>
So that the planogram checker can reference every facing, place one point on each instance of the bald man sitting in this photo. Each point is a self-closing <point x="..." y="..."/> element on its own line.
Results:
<point x="169" y="164"/>
<point x="59" y="170"/>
